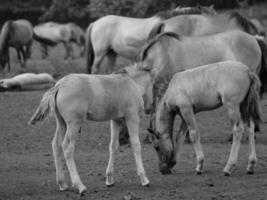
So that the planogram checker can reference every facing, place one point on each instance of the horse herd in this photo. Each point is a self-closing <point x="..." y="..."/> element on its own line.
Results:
<point x="187" y="60"/>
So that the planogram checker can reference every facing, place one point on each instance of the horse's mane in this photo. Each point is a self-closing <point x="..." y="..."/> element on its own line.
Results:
<point x="243" y="21"/>
<point x="158" y="38"/>
<point x="184" y="11"/>
<point x="4" y="35"/>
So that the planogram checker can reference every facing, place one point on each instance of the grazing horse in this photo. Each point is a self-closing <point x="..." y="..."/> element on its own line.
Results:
<point x="113" y="97"/>
<point x="51" y="34"/>
<point x="177" y="53"/>
<point x="206" y="24"/>
<point x="208" y="87"/>
<point x="113" y="35"/>
<point x="17" y="34"/>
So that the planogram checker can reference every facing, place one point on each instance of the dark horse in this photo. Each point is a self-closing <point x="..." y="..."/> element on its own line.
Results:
<point x="17" y="34"/>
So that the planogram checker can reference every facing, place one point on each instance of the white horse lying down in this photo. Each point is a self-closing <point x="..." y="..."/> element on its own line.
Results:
<point x="77" y="97"/>
<point x="28" y="81"/>
<point x="204" y="88"/>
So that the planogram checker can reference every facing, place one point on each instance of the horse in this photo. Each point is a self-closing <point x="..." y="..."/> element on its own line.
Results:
<point x="113" y="35"/>
<point x="228" y="83"/>
<point x="17" y="34"/>
<point x="206" y="24"/>
<point x="177" y="53"/>
<point x="77" y="97"/>
<point x="51" y="34"/>
<point x="27" y="81"/>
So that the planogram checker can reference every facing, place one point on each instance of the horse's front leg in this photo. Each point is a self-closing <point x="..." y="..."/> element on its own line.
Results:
<point x="252" y="159"/>
<point x="133" y="127"/>
<point x="58" y="154"/>
<point x="238" y="129"/>
<point x="113" y="146"/>
<point x="179" y="140"/>
<point x="188" y="116"/>
<point x="73" y="128"/>
<point x="23" y="59"/>
<point x="68" y="50"/>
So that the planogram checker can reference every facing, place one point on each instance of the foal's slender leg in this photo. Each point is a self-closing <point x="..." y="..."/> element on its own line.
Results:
<point x="133" y="127"/>
<point x="180" y="139"/>
<point x="252" y="159"/>
<point x="188" y="115"/>
<point x="238" y="129"/>
<point x="113" y="146"/>
<point x="58" y="153"/>
<point x="68" y="148"/>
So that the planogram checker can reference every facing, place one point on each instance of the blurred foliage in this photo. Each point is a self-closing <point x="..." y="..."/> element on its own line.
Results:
<point x="85" y="11"/>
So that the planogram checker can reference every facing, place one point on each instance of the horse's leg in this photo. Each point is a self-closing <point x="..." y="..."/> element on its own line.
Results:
<point x="180" y="139"/>
<point x="23" y="62"/>
<point x="238" y="129"/>
<point x="73" y="128"/>
<point x="111" y="56"/>
<point x="133" y="127"/>
<point x="188" y="116"/>
<point x="28" y="52"/>
<point x="58" y="153"/>
<point x="44" y="51"/>
<point x="252" y="159"/>
<point x="68" y="49"/>
<point x="113" y="146"/>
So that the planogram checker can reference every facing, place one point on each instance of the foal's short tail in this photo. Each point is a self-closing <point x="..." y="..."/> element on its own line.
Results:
<point x="250" y="107"/>
<point x="47" y="106"/>
<point x="90" y="56"/>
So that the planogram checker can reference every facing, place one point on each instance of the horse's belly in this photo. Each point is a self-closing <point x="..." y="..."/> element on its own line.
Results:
<point x="207" y="103"/>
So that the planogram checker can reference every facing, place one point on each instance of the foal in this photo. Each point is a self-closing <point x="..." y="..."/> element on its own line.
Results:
<point x="77" y="97"/>
<point x="205" y="88"/>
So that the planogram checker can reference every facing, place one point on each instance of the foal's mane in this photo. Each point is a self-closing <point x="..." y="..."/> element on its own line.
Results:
<point x="243" y="21"/>
<point x="180" y="11"/>
<point x="158" y="38"/>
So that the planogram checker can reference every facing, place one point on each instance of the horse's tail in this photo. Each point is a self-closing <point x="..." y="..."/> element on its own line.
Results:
<point x="250" y="107"/>
<point x="157" y="29"/>
<point x="43" y="40"/>
<point x="47" y="106"/>
<point x="262" y="69"/>
<point x="89" y="49"/>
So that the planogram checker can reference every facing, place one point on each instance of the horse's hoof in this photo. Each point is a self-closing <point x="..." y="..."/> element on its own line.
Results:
<point x="110" y="184"/>
<point x="226" y="173"/>
<point x="199" y="172"/>
<point x="146" y="184"/>
<point x="63" y="187"/>
<point x="250" y="172"/>
<point x="82" y="194"/>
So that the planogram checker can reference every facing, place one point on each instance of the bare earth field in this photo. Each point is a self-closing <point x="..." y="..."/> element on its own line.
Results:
<point x="27" y="169"/>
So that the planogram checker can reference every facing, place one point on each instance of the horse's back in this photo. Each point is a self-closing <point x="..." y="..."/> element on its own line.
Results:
<point x="99" y="97"/>
<point x="205" y="87"/>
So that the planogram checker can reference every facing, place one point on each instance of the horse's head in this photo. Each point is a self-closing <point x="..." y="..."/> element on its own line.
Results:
<point x="164" y="147"/>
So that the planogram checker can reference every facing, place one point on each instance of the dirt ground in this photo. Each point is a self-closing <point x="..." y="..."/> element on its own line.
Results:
<point x="27" y="170"/>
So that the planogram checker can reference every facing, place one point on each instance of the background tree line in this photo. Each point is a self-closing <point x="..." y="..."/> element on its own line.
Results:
<point x="85" y="11"/>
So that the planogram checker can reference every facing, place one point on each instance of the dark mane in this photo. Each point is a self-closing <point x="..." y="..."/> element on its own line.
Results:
<point x="158" y="38"/>
<point x="185" y="11"/>
<point x="243" y="22"/>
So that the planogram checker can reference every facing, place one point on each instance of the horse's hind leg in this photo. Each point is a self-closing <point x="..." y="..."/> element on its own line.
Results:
<point x="111" y="56"/>
<point x="238" y="129"/>
<point x="252" y="160"/>
<point x="73" y="128"/>
<point x="58" y="153"/>
<point x="188" y="116"/>
<point x="28" y="51"/>
<point x="44" y="51"/>
<point x="113" y="146"/>
<point x="180" y="138"/>
<point x="21" y="58"/>
<point x="133" y="127"/>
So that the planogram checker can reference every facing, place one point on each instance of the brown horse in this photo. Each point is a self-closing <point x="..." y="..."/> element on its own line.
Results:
<point x="17" y="34"/>
<point x="113" y="35"/>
